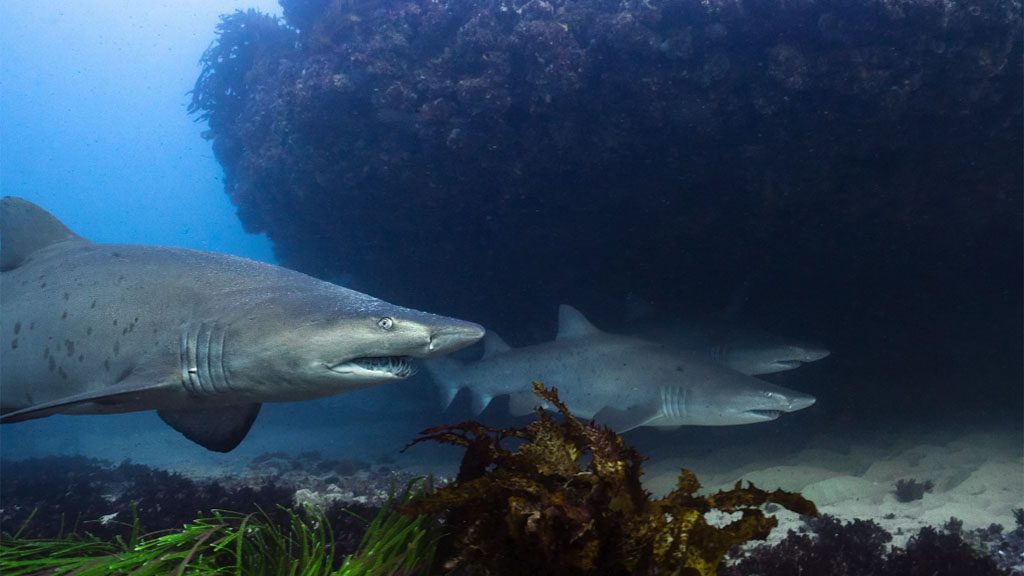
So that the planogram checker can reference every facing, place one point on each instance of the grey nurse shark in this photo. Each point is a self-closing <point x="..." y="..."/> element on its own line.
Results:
<point x="620" y="381"/>
<point x="750" y="351"/>
<point x="202" y="338"/>
<point x="747" y="350"/>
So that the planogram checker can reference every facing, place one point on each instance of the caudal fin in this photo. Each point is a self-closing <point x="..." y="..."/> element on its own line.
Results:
<point x="448" y="375"/>
<point x="451" y="376"/>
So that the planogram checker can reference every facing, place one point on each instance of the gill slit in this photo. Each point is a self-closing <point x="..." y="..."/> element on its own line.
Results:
<point x="674" y="400"/>
<point x="202" y="359"/>
<point x="203" y="337"/>
<point x="220" y="358"/>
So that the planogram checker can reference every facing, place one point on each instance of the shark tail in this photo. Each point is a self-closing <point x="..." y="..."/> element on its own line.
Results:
<point x="451" y="376"/>
<point x="447" y="374"/>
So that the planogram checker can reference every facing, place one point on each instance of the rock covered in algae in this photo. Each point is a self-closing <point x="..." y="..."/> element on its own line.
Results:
<point x="747" y="128"/>
<point x="568" y="500"/>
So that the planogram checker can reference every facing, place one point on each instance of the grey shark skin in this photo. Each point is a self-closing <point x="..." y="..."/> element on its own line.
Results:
<point x="620" y="381"/>
<point x="747" y="350"/>
<point x="754" y="352"/>
<point x="202" y="338"/>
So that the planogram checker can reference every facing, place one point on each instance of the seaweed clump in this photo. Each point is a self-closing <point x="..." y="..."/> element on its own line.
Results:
<point x="830" y="547"/>
<point x="568" y="500"/>
<point x="910" y="490"/>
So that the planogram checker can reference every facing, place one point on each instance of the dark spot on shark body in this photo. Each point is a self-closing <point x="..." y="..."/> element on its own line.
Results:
<point x="93" y="305"/>
<point x="115" y="321"/>
<point x="117" y="254"/>
<point x="17" y="327"/>
<point x="63" y="374"/>
<point x="117" y="347"/>
<point x="53" y="364"/>
<point x="88" y="331"/>
<point x="64" y="316"/>
<point x="106" y="364"/>
<point x="67" y="296"/>
<point x="14" y="344"/>
<point x="124" y="331"/>
<point x="43" y="285"/>
<point x="70" y="347"/>
<point x="81" y="357"/>
<point x="31" y="325"/>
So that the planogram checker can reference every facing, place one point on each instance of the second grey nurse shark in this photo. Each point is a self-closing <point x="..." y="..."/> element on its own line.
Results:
<point x="202" y="338"/>
<point x="620" y="381"/>
<point x="747" y="350"/>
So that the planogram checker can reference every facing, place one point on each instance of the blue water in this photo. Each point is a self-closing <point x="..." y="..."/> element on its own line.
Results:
<point x="95" y="125"/>
<point x="95" y="129"/>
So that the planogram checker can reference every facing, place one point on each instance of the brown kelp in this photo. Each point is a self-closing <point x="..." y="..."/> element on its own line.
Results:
<point x="568" y="500"/>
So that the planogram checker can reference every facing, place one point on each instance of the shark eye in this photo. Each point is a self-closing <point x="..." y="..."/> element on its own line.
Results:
<point x="386" y="323"/>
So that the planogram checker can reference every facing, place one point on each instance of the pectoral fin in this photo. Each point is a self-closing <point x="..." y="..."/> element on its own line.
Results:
<point x="627" y="419"/>
<point x="217" y="428"/>
<point x="138" y="388"/>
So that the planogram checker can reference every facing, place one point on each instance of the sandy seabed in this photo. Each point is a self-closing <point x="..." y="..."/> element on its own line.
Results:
<point x="978" y="477"/>
<point x="978" y="474"/>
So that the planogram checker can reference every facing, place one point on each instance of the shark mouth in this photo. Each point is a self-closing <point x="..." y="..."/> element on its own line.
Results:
<point x="393" y="366"/>
<point x="766" y="414"/>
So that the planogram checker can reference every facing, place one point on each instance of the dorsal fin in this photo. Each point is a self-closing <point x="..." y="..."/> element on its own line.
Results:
<point x="572" y="323"/>
<point x="26" y="228"/>
<point x="494" y="344"/>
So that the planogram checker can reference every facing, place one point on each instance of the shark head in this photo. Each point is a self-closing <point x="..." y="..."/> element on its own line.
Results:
<point x="734" y="399"/>
<point x="768" y="357"/>
<point x="313" y="345"/>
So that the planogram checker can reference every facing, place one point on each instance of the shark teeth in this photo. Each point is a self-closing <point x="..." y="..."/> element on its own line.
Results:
<point x="397" y="366"/>
<point x="771" y="414"/>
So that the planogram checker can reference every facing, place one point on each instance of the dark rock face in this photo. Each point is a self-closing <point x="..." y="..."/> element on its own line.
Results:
<point x="491" y="158"/>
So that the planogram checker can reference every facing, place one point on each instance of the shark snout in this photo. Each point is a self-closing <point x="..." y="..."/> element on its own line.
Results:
<point x="800" y="401"/>
<point x="811" y="354"/>
<point x="451" y="337"/>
